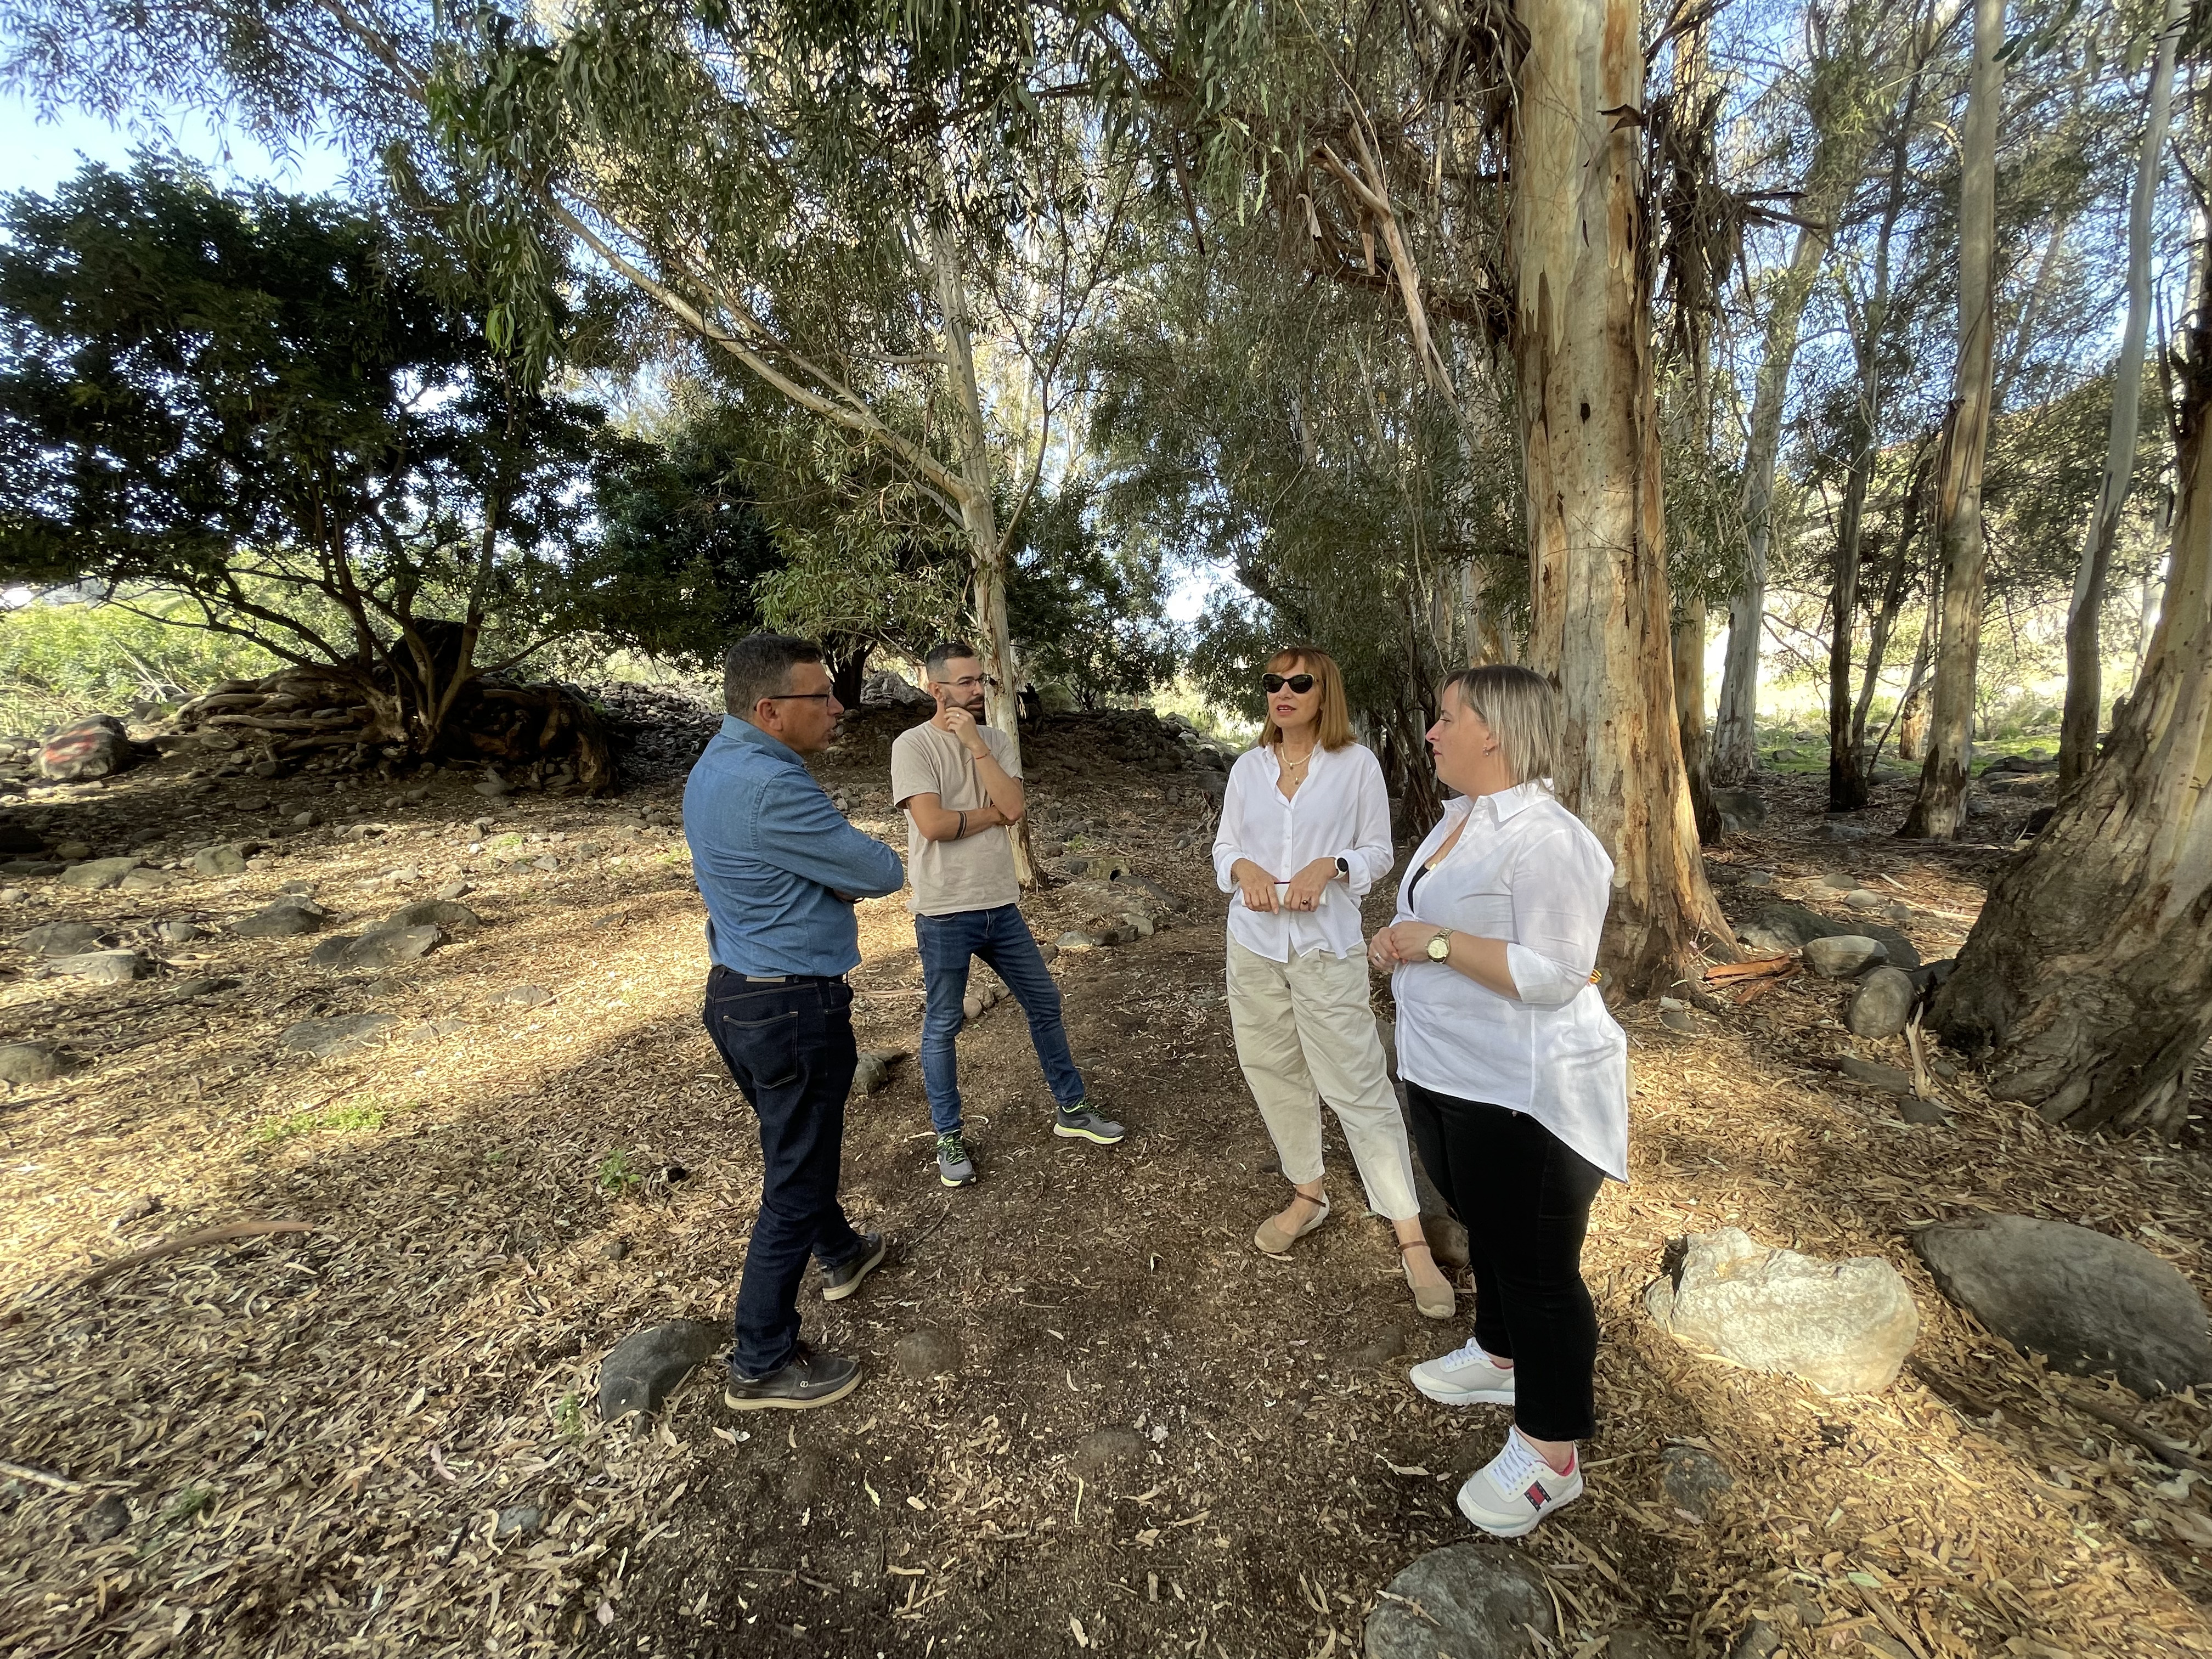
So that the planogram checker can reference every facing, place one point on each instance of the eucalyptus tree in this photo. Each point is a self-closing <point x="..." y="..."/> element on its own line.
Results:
<point x="848" y="208"/>
<point x="2087" y="981"/>
<point x="2077" y="738"/>
<point x="1940" y="807"/>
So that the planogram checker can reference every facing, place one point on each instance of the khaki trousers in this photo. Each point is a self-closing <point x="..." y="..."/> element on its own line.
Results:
<point x="1303" y="1027"/>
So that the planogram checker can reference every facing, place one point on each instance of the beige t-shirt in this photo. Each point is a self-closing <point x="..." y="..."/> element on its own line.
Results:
<point x="977" y="872"/>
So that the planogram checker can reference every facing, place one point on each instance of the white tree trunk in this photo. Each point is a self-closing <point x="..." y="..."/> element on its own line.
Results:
<point x="1940" y="807"/>
<point x="979" y="518"/>
<point x="1600" y="613"/>
<point x="2085" y="690"/>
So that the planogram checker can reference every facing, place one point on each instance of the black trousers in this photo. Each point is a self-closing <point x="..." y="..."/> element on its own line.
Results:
<point x="1525" y="1197"/>
<point x="790" y="1048"/>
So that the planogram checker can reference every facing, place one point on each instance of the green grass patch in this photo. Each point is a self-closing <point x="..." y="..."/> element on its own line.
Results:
<point x="617" y="1174"/>
<point x="350" y="1116"/>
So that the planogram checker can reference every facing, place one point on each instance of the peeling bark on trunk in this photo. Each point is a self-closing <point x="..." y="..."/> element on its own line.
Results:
<point x="1601" y="618"/>
<point x="2087" y="983"/>
<point x="1940" y="807"/>
<point x="2085" y="668"/>
<point x="979" y="519"/>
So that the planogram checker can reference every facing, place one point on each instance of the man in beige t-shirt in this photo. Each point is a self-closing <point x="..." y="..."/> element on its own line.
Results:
<point x="959" y="783"/>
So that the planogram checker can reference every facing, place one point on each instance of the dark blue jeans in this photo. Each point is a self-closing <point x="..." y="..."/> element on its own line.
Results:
<point x="1002" y="938"/>
<point x="790" y="1048"/>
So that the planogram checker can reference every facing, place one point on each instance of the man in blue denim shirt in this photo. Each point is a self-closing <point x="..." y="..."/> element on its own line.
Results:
<point x="780" y="870"/>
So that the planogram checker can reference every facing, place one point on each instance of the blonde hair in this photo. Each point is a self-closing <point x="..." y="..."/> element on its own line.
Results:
<point x="1333" y="729"/>
<point x="1522" y="707"/>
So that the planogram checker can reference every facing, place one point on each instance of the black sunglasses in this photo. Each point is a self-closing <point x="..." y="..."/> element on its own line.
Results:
<point x="1300" y="684"/>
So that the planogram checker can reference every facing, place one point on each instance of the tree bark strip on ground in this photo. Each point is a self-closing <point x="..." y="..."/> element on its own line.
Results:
<point x="2087" y="981"/>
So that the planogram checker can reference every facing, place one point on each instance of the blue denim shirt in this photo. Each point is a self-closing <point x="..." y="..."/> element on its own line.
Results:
<point x="766" y="849"/>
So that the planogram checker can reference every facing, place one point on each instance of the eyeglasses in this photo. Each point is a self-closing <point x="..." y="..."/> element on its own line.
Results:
<point x="1300" y="684"/>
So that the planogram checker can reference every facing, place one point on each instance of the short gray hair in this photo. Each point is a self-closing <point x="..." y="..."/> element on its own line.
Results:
<point x="759" y="666"/>
<point x="1522" y="707"/>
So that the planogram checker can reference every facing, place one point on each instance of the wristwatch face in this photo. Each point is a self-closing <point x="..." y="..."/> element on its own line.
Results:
<point x="1342" y="868"/>
<point x="1439" y="947"/>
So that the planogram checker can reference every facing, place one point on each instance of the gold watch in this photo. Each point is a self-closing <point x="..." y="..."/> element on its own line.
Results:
<point x="1440" y="946"/>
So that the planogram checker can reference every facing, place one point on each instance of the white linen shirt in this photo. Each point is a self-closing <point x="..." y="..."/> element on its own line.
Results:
<point x="1341" y="811"/>
<point x="1528" y="871"/>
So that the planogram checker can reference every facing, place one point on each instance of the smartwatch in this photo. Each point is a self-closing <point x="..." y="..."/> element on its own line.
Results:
<point x="1343" y="869"/>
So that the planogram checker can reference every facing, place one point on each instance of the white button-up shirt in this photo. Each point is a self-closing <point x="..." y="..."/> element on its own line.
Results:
<point x="1341" y="811"/>
<point x="1528" y="871"/>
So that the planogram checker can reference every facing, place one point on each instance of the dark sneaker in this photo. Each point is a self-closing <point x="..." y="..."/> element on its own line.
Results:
<point x="1080" y="1122"/>
<point x="954" y="1167"/>
<point x="805" y="1379"/>
<point x="841" y="1281"/>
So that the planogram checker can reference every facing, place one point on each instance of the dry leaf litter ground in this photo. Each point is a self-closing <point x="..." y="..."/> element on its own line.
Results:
<point x="379" y="1437"/>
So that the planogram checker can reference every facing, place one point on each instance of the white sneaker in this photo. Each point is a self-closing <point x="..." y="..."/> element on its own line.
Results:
<point x="1517" y="1489"/>
<point x="1464" y="1377"/>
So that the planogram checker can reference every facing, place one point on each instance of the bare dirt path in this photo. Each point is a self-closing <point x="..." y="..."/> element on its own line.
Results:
<point x="1095" y="1420"/>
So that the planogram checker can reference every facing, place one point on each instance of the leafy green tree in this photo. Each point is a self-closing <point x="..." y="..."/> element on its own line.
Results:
<point x="261" y="404"/>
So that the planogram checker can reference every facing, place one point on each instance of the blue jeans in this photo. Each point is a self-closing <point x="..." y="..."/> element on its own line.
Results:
<point x="790" y="1048"/>
<point x="1002" y="938"/>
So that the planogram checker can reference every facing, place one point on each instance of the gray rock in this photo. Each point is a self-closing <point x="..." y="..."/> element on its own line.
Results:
<point x="493" y="785"/>
<point x="16" y="896"/>
<point x="1860" y="899"/>
<point x="26" y="1063"/>
<point x="1913" y="1109"/>
<point x="1759" y="1640"/>
<point x="522" y="996"/>
<point x="144" y="880"/>
<point x="330" y="1039"/>
<point x="1779" y="926"/>
<point x="432" y="913"/>
<point x="1679" y="1019"/>
<point x="374" y="952"/>
<point x="1693" y="1479"/>
<point x="1843" y="832"/>
<point x="102" y="967"/>
<point x="546" y="862"/>
<point x="2091" y="1302"/>
<point x="1839" y="881"/>
<point x="431" y="1029"/>
<point x="1076" y="939"/>
<point x="62" y="938"/>
<point x="1844" y="1327"/>
<point x="108" y="1516"/>
<point x="227" y="859"/>
<point x="176" y="933"/>
<point x="1893" y="1078"/>
<point x="1741" y="809"/>
<point x="454" y="889"/>
<point x="1482" y="1600"/>
<point x="1882" y="1003"/>
<point x="307" y="820"/>
<point x="647" y="1366"/>
<point x="94" y="747"/>
<point x="972" y="1006"/>
<point x="874" y="1070"/>
<point x="281" y="919"/>
<point x="926" y="1353"/>
<point x="1756" y="878"/>
<point x="202" y="987"/>
<point x="251" y="802"/>
<point x="518" y="1520"/>
<point x="1103" y="1449"/>
<point x="1843" y="956"/>
<point x="19" y="869"/>
<point x="1141" y="922"/>
<point x="98" y="873"/>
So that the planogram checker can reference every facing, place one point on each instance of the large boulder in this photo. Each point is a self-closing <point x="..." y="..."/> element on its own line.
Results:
<point x="1779" y="926"/>
<point x="2091" y="1302"/>
<point x="102" y="967"/>
<point x="94" y="747"/>
<point x="97" y="874"/>
<point x="431" y="913"/>
<point x="25" y="1063"/>
<point x="381" y="947"/>
<point x="1480" y="1600"/>
<point x="1844" y="956"/>
<point x="1844" y="1327"/>
<point x="284" y="918"/>
<point x="1741" y="809"/>
<point x="1881" y="1006"/>
<point x="333" y="1039"/>
<point x="62" y="938"/>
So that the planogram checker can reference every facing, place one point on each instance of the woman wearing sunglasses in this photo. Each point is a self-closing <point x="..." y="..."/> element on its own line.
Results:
<point x="1517" y="1078"/>
<point x="1305" y="831"/>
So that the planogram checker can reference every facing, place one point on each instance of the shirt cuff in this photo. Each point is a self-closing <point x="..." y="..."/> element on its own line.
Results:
<point x="1539" y="980"/>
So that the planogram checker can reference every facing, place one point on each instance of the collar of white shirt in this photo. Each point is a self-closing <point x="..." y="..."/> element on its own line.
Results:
<point x="1506" y="804"/>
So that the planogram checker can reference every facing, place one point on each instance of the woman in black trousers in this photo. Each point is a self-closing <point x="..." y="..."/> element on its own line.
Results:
<point x="1517" y="1078"/>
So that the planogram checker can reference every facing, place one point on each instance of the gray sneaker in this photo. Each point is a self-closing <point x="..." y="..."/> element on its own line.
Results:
<point x="954" y="1167"/>
<point x="1080" y="1123"/>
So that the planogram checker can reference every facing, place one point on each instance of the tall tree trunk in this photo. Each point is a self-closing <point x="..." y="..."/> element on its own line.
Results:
<point x="1735" y="736"/>
<point x="1895" y="589"/>
<point x="2085" y="687"/>
<point x="1940" y="807"/>
<point x="2087" y="983"/>
<point x="1690" y="631"/>
<point x="1600" y="616"/>
<point x="979" y="519"/>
